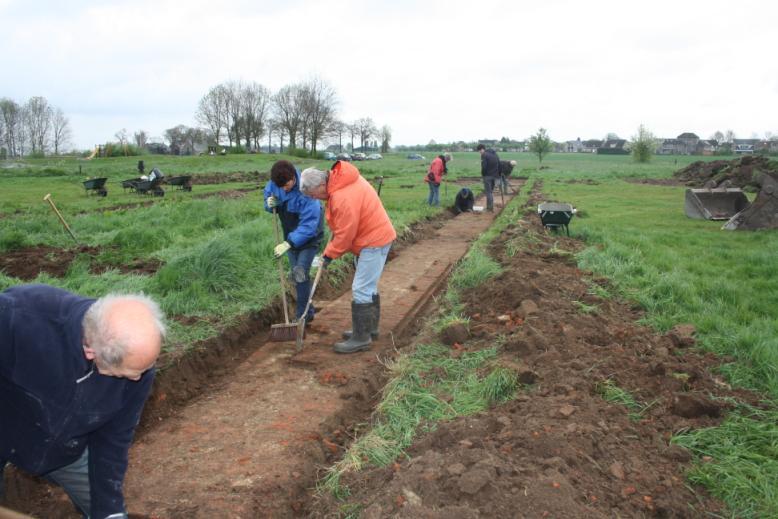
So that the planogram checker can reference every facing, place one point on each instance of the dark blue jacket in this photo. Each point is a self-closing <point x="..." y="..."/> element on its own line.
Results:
<point x="54" y="403"/>
<point x="301" y="216"/>
<point x="490" y="164"/>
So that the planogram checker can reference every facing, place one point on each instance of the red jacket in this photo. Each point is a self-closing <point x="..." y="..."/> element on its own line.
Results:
<point x="354" y="213"/>
<point x="438" y="169"/>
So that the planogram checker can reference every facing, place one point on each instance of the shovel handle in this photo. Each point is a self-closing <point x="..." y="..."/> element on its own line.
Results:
<point x="281" y="270"/>
<point x="313" y="290"/>
<point x="48" y="199"/>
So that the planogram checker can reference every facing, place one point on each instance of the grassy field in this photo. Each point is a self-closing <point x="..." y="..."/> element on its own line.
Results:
<point x="217" y="265"/>
<point x="215" y="251"/>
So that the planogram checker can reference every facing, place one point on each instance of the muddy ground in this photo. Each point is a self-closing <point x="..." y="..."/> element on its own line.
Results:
<point x="559" y="449"/>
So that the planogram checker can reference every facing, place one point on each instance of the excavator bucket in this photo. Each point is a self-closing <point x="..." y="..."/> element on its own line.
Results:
<point x="714" y="204"/>
<point x="763" y="211"/>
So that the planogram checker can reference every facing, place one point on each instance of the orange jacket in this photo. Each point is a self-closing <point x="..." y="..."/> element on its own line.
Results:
<point x="354" y="213"/>
<point x="438" y="169"/>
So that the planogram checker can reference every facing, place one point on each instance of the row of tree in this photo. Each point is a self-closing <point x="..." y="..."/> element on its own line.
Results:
<point x="304" y="114"/>
<point x="34" y="127"/>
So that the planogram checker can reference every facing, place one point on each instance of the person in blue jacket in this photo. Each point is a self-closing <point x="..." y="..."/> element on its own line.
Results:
<point x="302" y="223"/>
<point x="75" y="373"/>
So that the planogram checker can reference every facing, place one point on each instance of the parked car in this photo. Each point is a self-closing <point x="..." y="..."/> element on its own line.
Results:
<point x="415" y="156"/>
<point x="328" y="155"/>
<point x="343" y="156"/>
<point x="358" y="156"/>
<point x="374" y="156"/>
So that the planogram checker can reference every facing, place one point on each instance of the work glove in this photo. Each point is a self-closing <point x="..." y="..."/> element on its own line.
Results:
<point x="272" y="202"/>
<point x="325" y="261"/>
<point x="281" y="249"/>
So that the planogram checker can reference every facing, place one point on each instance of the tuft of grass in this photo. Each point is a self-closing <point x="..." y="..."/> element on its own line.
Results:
<point x="741" y="460"/>
<point x="586" y="309"/>
<point x="610" y="392"/>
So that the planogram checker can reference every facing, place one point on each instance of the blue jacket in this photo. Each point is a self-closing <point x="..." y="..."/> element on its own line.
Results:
<point x="301" y="216"/>
<point x="54" y="402"/>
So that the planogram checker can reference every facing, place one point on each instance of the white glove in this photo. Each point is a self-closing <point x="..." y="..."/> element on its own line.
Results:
<point x="281" y="249"/>
<point x="272" y="202"/>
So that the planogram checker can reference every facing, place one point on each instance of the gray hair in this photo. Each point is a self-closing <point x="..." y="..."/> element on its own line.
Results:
<point x="447" y="157"/>
<point x="109" y="344"/>
<point x="311" y="178"/>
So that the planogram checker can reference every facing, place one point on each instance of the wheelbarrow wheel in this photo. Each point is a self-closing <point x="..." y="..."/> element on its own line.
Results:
<point x="102" y="192"/>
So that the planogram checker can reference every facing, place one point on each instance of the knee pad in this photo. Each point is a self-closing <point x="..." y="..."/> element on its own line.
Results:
<point x="299" y="274"/>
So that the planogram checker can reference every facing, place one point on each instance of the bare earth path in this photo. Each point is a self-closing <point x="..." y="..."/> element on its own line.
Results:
<point x="253" y="447"/>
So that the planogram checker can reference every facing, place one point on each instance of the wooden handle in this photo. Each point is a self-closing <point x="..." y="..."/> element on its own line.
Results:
<point x="281" y="269"/>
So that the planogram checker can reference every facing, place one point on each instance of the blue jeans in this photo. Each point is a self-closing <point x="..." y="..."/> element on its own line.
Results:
<point x="488" y="188"/>
<point x="74" y="479"/>
<point x="370" y="265"/>
<point x="434" y="198"/>
<point x="504" y="184"/>
<point x="300" y="261"/>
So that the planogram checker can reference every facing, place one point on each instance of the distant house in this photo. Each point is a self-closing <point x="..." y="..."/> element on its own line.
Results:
<point x="672" y="147"/>
<point x="744" y="146"/>
<point x="489" y="143"/>
<point x="770" y="146"/>
<point x="591" y="145"/>
<point x="707" y="147"/>
<point x="613" y="147"/>
<point x="573" y="146"/>
<point x="685" y="144"/>
<point x="690" y="141"/>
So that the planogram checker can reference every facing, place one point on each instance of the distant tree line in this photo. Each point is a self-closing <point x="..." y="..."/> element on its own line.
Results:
<point x="304" y="114"/>
<point x="32" y="128"/>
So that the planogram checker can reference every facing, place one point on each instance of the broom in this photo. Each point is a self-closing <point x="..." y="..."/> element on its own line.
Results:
<point x="301" y="321"/>
<point x="286" y="331"/>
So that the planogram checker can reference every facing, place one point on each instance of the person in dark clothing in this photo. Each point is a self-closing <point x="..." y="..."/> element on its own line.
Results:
<point x="75" y="373"/>
<point x="302" y="223"/>
<point x="490" y="172"/>
<point x="463" y="203"/>
<point x="506" y="168"/>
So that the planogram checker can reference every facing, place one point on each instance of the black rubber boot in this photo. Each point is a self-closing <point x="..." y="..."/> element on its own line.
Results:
<point x="376" y="318"/>
<point x="361" y="321"/>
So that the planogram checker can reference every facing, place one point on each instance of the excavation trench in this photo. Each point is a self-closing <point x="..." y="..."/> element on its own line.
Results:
<point x="251" y="441"/>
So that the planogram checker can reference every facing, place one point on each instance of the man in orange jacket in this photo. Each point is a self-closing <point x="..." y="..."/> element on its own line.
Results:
<point x="360" y="225"/>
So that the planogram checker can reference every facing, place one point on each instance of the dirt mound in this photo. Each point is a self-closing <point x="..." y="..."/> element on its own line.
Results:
<point x="560" y="449"/>
<point x="742" y="172"/>
<point x="27" y="263"/>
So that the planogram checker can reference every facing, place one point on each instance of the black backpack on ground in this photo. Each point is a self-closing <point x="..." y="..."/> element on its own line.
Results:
<point x="464" y="201"/>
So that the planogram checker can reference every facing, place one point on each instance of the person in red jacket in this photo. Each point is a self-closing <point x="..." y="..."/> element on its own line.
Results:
<point x="435" y="177"/>
<point x="360" y="225"/>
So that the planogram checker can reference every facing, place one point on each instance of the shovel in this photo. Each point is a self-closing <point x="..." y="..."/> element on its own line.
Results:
<point x="301" y="321"/>
<point x="287" y="330"/>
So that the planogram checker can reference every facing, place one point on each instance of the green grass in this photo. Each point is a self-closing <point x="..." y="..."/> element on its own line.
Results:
<point x="216" y="253"/>
<point x="611" y="392"/>
<point x="740" y="461"/>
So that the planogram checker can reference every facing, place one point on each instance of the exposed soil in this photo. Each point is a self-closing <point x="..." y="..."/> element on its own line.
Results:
<point x="742" y="172"/>
<point x="241" y="428"/>
<point x="559" y="449"/>
<point x="27" y="263"/>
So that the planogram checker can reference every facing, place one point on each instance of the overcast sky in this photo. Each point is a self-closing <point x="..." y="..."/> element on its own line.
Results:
<point x="443" y="70"/>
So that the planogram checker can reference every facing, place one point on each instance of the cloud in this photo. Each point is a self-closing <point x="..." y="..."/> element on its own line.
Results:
<point x="429" y="69"/>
